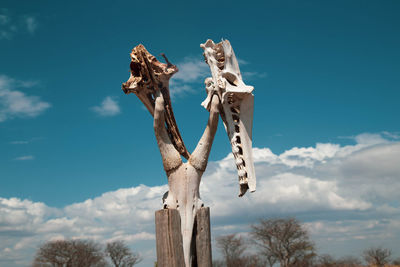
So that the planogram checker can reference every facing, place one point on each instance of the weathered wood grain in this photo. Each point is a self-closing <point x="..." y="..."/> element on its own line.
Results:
<point x="203" y="238"/>
<point x="169" y="239"/>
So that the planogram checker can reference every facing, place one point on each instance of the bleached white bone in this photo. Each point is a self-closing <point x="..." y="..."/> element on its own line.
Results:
<point x="184" y="178"/>
<point x="237" y="107"/>
<point x="149" y="80"/>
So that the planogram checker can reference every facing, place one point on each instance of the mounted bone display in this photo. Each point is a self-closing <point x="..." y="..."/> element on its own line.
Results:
<point x="227" y="96"/>
<point x="147" y="76"/>
<point x="149" y="80"/>
<point x="237" y="103"/>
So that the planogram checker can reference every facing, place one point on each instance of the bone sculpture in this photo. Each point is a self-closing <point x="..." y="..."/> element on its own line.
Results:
<point x="149" y="80"/>
<point x="238" y="103"/>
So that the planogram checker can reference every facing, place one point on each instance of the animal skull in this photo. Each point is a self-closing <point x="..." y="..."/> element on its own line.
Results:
<point x="147" y="76"/>
<point x="237" y="107"/>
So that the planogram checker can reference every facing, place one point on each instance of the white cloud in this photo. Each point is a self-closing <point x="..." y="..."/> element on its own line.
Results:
<point x="5" y="28"/>
<point x="14" y="103"/>
<point x="28" y="157"/>
<point x="4" y="19"/>
<point x="177" y="89"/>
<point x="20" y="142"/>
<point x="370" y="139"/>
<point x="125" y="214"/>
<point x="389" y="135"/>
<point x="11" y="24"/>
<point x="249" y="75"/>
<point x="190" y="77"/>
<point x="31" y="24"/>
<point x="108" y="107"/>
<point x="191" y="69"/>
<point x="347" y="195"/>
<point x="242" y="61"/>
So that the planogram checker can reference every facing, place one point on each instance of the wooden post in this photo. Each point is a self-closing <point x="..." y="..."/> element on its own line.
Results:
<point x="203" y="238"/>
<point x="169" y="239"/>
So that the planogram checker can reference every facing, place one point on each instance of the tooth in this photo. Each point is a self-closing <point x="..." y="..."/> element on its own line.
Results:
<point x="239" y="161"/>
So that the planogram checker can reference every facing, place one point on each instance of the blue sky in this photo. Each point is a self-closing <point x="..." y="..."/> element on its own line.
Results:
<point x="323" y="72"/>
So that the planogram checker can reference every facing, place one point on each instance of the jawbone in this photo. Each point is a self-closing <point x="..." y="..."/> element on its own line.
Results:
<point x="237" y="107"/>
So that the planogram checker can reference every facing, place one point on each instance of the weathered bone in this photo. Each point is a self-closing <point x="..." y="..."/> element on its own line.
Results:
<point x="147" y="76"/>
<point x="184" y="178"/>
<point x="149" y="80"/>
<point x="237" y="107"/>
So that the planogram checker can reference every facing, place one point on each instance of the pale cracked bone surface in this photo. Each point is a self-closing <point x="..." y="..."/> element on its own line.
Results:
<point x="147" y="76"/>
<point x="237" y="107"/>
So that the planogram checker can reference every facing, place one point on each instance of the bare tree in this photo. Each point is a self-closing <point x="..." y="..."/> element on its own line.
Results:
<point x="121" y="255"/>
<point x="349" y="261"/>
<point x="377" y="256"/>
<point x="329" y="261"/>
<point x="284" y="240"/>
<point x="54" y="253"/>
<point x="396" y="262"/>
<point x="254" y="261"/>
<point x="218" y="263"/>
<point x="232" y="249"/>
<point x="326" y="260"/>
<point x="70" y="253"/>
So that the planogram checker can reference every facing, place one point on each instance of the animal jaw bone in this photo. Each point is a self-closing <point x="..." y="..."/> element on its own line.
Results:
<point x="147" y="76"/>
<point x="237" y="107"/>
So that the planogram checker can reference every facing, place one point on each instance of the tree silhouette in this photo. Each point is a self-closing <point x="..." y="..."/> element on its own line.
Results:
<point x="284" y="240"/>
<point x="70" y="253"/>
<point x="377" y="256"/>
<point x="232" y="249"/>
<point x="121" y="255"/>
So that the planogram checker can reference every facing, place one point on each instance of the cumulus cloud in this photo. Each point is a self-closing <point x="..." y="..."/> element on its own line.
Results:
<point x="347" y="196"/>
<point x="108" y="107"/>
<point x="125" y="214"/>
<point x="15" y="103"/>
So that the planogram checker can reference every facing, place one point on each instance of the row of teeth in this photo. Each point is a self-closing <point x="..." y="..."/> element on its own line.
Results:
<point x="240" y="165"/>
<point x="235" y="140"/>
<point x="237" y="149"/>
